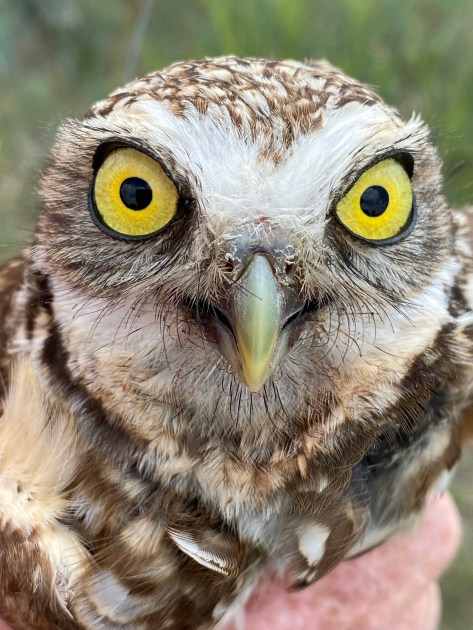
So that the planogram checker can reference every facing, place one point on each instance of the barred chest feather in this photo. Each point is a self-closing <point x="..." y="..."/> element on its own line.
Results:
<point x="260" y="381"/>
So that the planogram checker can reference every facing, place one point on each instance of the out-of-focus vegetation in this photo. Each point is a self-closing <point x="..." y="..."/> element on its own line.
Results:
<point x="58" y="56"/>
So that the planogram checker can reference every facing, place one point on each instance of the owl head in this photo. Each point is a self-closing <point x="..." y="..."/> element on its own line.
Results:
<point x="258" y="235"/>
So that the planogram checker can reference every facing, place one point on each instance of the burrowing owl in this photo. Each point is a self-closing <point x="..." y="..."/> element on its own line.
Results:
<point x="241" y="341"/>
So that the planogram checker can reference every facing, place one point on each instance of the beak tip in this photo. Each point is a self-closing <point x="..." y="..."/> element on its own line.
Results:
<point x="253" y="388"/>
<point x="254" y="380"/>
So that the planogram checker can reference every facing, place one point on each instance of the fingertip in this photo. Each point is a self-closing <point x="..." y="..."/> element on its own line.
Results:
<point x="424" y="612"/>
<point x="433" y="543"/>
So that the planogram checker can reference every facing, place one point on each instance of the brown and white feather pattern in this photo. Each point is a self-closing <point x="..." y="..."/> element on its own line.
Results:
<point x="142" y="485"/>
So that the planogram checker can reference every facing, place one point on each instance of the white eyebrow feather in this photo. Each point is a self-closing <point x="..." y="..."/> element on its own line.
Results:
<point x="232" y="177"/>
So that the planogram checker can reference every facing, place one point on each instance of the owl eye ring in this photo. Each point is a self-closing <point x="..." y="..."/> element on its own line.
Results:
<point x="379" y="208"/>
<point x="131" y="197"/>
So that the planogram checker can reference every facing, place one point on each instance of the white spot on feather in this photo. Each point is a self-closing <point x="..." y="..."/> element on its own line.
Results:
<point x="108" y="591"/>
<point x="312" y="541"/>
<point x="115" y="603"/>
<point x="444" y="480"/>
<point x="323" y="482"/>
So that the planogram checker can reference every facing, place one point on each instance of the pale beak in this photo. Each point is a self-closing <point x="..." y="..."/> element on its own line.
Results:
<point x="256" y="310"/>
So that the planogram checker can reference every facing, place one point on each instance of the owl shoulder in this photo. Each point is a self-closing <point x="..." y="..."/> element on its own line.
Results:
<point x="461" y="308"/>
<point x="38" y="458"/>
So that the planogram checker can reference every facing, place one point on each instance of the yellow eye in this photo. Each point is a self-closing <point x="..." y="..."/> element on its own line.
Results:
<point x="379" y="205"/>
<point x="132" y="195"/>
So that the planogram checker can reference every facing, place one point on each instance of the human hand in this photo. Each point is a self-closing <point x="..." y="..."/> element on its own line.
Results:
<point x="393" y="587"/>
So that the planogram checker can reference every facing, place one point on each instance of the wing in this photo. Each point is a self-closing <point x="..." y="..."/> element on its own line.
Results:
<point x="461" y="306"/>
<point x="407" y="465"/>
<point x="36" y="464"/>
<point x="11" y="275"/>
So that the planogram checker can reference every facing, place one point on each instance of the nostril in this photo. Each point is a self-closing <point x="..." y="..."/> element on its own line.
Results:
<point x="229" y="263"/>
<point x="290" y="267"/>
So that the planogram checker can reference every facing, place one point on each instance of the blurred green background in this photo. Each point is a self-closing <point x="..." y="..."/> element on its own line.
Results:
<point x="59" y="56"/>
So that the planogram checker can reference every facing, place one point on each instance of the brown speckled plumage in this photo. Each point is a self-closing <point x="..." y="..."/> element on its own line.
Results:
<point x="142" y="485"/>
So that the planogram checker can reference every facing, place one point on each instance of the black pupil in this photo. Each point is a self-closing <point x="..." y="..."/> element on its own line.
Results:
<point x="374" y="201"/>
<point x="135" y="193"/>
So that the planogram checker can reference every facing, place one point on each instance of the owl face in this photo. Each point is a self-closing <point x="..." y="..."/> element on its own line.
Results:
<point x="267" y="238"/>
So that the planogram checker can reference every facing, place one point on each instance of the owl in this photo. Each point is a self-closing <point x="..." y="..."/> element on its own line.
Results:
<point x="241" y="342"/>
